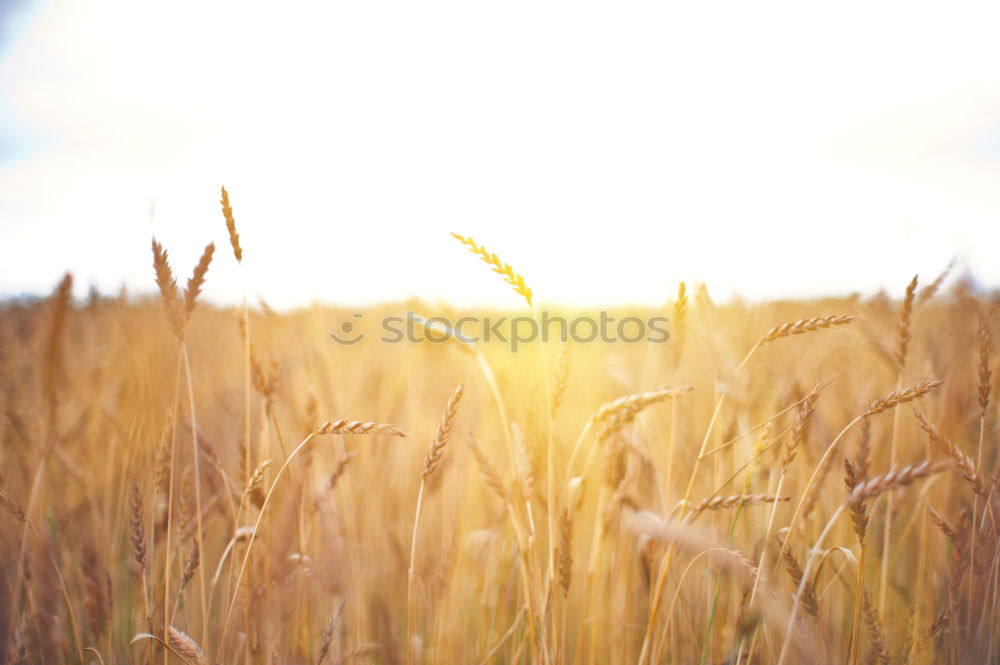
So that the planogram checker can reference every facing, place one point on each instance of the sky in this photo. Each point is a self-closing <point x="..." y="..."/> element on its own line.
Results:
<point x="605" y="150"/>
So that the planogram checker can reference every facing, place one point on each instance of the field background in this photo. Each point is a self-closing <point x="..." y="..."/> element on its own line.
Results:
<point x="618" y="567"/>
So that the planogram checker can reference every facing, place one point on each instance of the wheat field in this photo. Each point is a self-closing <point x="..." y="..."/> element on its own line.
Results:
<point x="784" y="482"/>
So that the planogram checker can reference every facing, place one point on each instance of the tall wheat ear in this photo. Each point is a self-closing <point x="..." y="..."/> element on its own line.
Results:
<point x="431" y="463"/>
<point x="234" y="237"/>
<point x="903" y="326"/>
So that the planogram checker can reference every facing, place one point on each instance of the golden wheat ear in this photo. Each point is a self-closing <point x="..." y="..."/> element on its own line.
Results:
<point x="436" y="448"/>
<point x="186" y="647"/>
<point x="932" y="289"/>
<point x="800" y="426"/>
<point x="561" y="379"/>
<point x="680" y="319"/>
<point x="197" y="281"/>
<point x="632" y="404"/>
<point x="136" y="530"/>
<point x="12" y="507"/>
<point x="985" y="371"/>
<point x="564" y="550"/>
<point x="859" y="514"/>
<point x="893" y="479"/>
<point x="324" y="647"/>
<point x="964" y="463"/>
<point x="895" y="398"/>
<point x="167" y="285"/>
<point x="514" y="279"/>
<point x="234" y="237"/>
<point x="358" y="427"/>
<point x="735" y="501"/>
<point x="804" y="326"/>
<point x="52" y="362"/>
<point x="903" y="326"/>
<point x="878" y="652"/>
<point x="487" y="471"/>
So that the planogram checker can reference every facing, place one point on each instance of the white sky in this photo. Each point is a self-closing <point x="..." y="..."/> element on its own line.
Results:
<point x="606" y="150"/>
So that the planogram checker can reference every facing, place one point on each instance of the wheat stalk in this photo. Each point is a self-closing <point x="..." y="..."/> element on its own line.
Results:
<point x="358" y="427"/>
<point x="177" y="306"/>
<point x="878" y="485"/>
<point x="734" y="501"/>
<point x="864" y="449"/>
<point x="523" y="463"/>
<point x="565" y="550"/>
<point x="897" y="397"/>
<point x="515" y="280"/>
<point x="962" y="461"/>
<point x="136" y="531"/>
<point x="487" y="471"/>
<point x="859" y="513"/>
<point x="324" y="648"/>
<point x="985" y="373"/>
<point x="186" y="647"/>
<point x="190" y="566"/>
<point x="197" y="280"/>
<point x="168" y="289"/>
<point x="436" y="448"/>
<point x="52" y="367"/>
<point x="12" y="507"/>
<point x="256" y="479"/>
<point x="804" y="326"/>
<point x="680" y="319"/>
<point x="859" y="517"/>
<point x="339" y="469"/>
<point x="807" y="597"/>
<point x="561" y="379"/>
<point x="234" y="237"/>
<point x="954" y="533"/>
<point x="879" y="653"/>
<point x="931" y="289"/>
<point x="802" y="416"/>
<point x="903" y="326"/>
<point x="632" y="404"/>
<point x="431" y="462"/>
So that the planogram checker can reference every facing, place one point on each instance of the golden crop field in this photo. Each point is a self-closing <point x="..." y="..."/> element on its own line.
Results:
<point x="786" y="482"/>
